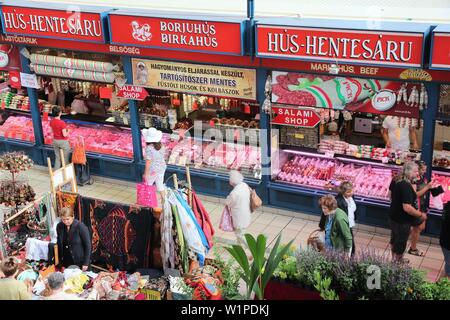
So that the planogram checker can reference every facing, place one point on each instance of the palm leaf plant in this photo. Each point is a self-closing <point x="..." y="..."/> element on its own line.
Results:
<point x="257" y="274"/>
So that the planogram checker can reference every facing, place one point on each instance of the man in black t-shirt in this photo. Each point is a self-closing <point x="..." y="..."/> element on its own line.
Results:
<point x="403" y="210"/>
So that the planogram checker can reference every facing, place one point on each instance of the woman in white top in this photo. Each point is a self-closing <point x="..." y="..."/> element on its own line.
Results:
<point x="238" y="202"/>
<point x="347" y="203"/>
<point x="155" y="165"/>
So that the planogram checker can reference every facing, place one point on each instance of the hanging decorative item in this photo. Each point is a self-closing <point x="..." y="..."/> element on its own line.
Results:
<point x="79" y="64"/>
<point x="423" y="97"/>
<point x="73" y="74"/>
<point x="267" y="107"/>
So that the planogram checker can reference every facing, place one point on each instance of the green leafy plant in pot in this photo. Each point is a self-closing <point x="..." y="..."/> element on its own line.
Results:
<point x="257" y="274"/>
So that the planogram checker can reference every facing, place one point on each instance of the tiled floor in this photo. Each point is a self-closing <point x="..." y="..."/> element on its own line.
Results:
<point x="269" y="221"/>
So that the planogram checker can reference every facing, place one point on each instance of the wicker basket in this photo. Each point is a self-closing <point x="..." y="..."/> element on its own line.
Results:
<point x="314" y="241"/>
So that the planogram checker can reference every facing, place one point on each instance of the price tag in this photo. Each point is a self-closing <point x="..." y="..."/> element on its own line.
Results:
<point x="147" y="123"/>
<point x="125" y="121"/>
<point x="299" y="136"/>
<point x="329" y="154"/>
<point x="384" y="159"/>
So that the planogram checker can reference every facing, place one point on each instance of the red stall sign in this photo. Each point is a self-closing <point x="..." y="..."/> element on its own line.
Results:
<point x="297" y="117"/>
<point x="133" y="92"/>
<point x="165" y="33"/>
<point x="370" y="47"/>
<point x="440" y="57"/>
<point x="59" y="24"/>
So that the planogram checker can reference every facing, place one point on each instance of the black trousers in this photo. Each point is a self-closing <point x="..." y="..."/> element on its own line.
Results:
<point x="353" y="242"/>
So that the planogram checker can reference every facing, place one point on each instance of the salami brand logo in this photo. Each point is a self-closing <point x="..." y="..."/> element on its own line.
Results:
<point x="384" y="100"/>
<point x="141" y="32"/>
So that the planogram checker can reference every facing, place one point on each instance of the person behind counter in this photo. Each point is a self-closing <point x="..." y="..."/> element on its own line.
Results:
<point x="74" y="241"/>
<point x="396" y="137"/>
<point x="60" y="137"/>
<point x="10" y="287"/>
<point x="79" y="104"/>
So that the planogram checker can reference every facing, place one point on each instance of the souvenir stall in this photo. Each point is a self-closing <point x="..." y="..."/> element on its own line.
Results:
<point x="346" y="103"/>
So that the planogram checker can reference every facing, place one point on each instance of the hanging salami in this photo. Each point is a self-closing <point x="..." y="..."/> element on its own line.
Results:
<point x="107" y="77"/>
<point x="69" y="63"/>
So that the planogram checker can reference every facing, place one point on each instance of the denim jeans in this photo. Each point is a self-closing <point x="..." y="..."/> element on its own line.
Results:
<point x="446" y="261"/>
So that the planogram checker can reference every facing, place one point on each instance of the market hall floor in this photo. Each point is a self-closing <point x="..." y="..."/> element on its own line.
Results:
<point x="267" y="220"/>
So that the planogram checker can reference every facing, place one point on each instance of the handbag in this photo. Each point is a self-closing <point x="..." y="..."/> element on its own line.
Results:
<point x="226" y="221"/>
<point x="79" y="152"/>
<point x="255" y="200"/>
<point x="146" y="195"/>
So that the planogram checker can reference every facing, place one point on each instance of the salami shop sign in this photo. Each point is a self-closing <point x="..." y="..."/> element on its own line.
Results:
<point x="58" y="24"/>
<point x="440" y="57"/>
<point x="191" y="35"/>
<point x="132" y="92"/>
<point x="400" y="49"/>
<point x="298" y="117"/>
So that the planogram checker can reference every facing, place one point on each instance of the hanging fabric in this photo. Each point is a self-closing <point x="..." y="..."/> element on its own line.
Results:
<point x="167" y="242"/>
<point x="190" y="231"/>
<point x="187" y="208"/>
<point x="181" y="241"/>
<point x="121" y="234"/>
<point x="203" y="218"/>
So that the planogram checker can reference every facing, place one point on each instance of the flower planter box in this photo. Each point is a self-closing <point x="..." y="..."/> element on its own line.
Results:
<point x="283" y="290"/>
<point x="278" y="289"/>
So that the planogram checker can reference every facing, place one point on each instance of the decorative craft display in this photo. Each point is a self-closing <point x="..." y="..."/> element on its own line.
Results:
<point x="108" y="77"/>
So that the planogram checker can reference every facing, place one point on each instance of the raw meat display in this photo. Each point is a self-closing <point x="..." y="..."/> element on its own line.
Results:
<point x="362" y="151"/>
<point x="444" y="181"/>
<point x="368" y="181"/>
<point x="98" y="138"/>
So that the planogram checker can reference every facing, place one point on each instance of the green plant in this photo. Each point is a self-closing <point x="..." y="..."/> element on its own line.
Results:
<point x="308" y="261"/>
<point x="287" y="269"/>
<point x="258" y="274"/>
<point x="231" y="275"/>
<point x="442" y="289"/>
<point x="323" y="286"/>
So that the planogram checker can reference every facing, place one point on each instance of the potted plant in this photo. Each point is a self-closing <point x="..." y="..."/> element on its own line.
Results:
<point x="257" y="274"/>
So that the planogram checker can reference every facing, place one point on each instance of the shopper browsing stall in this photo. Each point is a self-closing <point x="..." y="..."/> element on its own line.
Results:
<point x="55" y="283"/>
<point x="10" y="288"/>
<point x="60" y="137"/>
<point x="238" y="202"/>
<point x="403" y="209"/>
<point x="79" y="105"/>
<point x="74" y="241"/>
<point x="155" y="165"/>
<point x="418" y="225"/>
<point x="337" y="231"/>
<point x="398" y="137"/>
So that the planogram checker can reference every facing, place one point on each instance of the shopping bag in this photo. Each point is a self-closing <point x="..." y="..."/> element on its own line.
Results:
<point x="146" y="195"/>
<point x="255" y="200"/>
<point x="226" y="221"/>
<point x="79" y="152"/>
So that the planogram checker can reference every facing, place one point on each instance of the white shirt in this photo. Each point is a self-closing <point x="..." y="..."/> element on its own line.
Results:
<point x="351" y="207"/>
<point x="238" y="202"/>
<point x="399" y="137"/>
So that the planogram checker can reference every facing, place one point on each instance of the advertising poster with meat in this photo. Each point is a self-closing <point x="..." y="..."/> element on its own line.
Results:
<point x="352" y="94"/>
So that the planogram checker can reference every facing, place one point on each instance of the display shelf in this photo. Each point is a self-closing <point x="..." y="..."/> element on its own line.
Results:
<point x="320" y="172"/>
<point x="18" y="111"/>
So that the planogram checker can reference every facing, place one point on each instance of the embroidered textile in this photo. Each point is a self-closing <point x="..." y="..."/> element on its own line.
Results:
<point x="121" y="234"/>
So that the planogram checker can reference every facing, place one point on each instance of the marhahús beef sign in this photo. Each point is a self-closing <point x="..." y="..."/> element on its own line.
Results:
<point x="297" y="117"/>
<point x="58" y="24"/>
<point x="192" y="35"/>
<point x="370" y="47"/>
